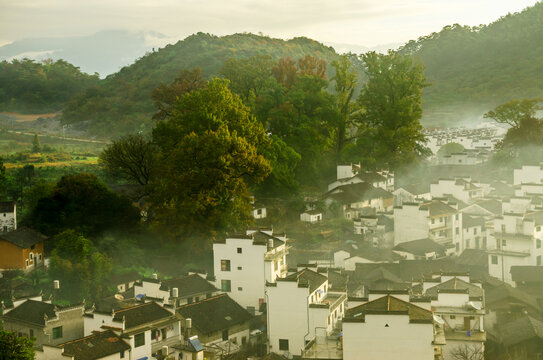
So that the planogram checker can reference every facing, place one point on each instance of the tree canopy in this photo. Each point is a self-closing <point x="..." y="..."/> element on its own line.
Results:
<point x="15" y="347"/>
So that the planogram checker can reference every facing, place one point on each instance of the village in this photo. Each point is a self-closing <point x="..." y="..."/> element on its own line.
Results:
<point x="450" y="267"/>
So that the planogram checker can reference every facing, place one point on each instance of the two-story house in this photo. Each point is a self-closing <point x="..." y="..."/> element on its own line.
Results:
<point x="298" y="306"/>
<point x="49" y="324"/>
<point x="244" y="263"/>
<point x="21" y="249"/>
<point x="8" y="216"/>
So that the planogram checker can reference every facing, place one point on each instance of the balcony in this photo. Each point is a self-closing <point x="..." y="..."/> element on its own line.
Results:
<point x="276" y="253"/>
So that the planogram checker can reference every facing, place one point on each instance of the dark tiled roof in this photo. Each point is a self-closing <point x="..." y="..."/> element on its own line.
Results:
<point x="190" y="285"/>
<point x="32" y="311"/>
<point x="420" y="247"/>
<point x="214" y="314"/>
<point x="336" y="280"/>
<point x="23" y="237"/>
<point x="520" y="330"/>
<point x="310" y="277"/>
<point x="417" y="189"/>
<point x="7" y="206"/>
<point x="437" y="208"/>
<point x="352" y="193"/>
<point x="372" y="253"/>
<point x="527" y="273"/>
<point x="470" y="221"/>
<point x="95" y="346"/>
<point x="391" y="305"/>
<point x="456" y="284"/>
<point x="474" y="257"/>
<point x="536" y="216"/>
<point x="510" y="294"/>
<point x="494" y="206"/>
<point x="141" y="314"/>
<point x="262" y="238"/>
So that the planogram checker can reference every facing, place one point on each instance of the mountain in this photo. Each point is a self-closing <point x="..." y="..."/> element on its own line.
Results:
<point x="473" y="69"/>
<point x="104" y="52"/>
<point x="122" y="102"/>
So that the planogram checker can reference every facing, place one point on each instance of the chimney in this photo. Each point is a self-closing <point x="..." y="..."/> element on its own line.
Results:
<point x="155" y="276"/>
<point x="175" y="292"/>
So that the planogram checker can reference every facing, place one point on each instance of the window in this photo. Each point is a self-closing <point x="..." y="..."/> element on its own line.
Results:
<point x="122" y="354"/>
<point x="57" y="332"/>
<point x="225" y="265"/>
<point x="31" y="256"/>
<point x="225" y="335"/>
<point x="538" y="228"/>
<point x="504" y="242"/>
<point x="31" y="333"/>
<point x="197" y="298"/>
<point x="494" y="260"/>
<point x="240" y="268"/>
<point x="240" y="288"/>
<point x="453" y="317"/>
<point x="189" y="300"/>
<point x="259" y="212"/>
<point x="26" y="262"/>
<point x="139" y="340"/>
<point x="208" y="295"/>
<point x="243" y="340"/>
<point x="32" y="247"/>
<point x="539" y="260"/>
<point x="5" y="228"/>
<point x="474" y="231"/>
<point x="538" y="243"/>
<point x="456" y="217"/>
<point x="433" y="221"/>
<point x="226" y="285"/>
<point x="283" y="344"/>
<point x="457" y="231"/>
<point x="39" y="257"/>
<point x="163" y="332"/>
<point x="239" y="250"/>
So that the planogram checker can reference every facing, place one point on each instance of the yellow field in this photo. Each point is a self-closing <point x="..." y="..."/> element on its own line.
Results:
<point x="31" y="117"/>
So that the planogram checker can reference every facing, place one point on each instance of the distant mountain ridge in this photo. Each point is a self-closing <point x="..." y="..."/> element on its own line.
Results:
<point x="104" y="52"/>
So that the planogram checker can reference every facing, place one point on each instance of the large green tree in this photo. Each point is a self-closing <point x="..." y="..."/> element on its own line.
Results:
<point x="391" y="103"/>
<point x="82" y="270"/>
<point x="84" y="203"/>
<point x="15" y="347"/>
<point x="208" y="155"/>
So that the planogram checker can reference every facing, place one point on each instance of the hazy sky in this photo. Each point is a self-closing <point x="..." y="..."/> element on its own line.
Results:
<point x="363" y="22"/>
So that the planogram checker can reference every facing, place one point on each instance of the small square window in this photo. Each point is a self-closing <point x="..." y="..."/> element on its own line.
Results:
<point x="226" y="285"/>
<point x="494" y="260"/>
<point x="139" y="340"/>
<point x="283" y="344"/>
<point x="57" y="332"/>
<point x="240" y="268"/>
<point x="225" y="265"/>
<point x="240" y="288"/>
<point x="538" y="243"/>
<point x="453" y="317"/>
<point x="240" y="250"/>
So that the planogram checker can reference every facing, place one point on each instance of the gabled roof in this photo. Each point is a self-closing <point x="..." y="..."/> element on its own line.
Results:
<point x="23" y="237"/>
<point x="190" y="285"/>
<point x="336" y="280"/>
<point x="436" y="208"/>
<point x="520" y="330"/>
<point x="381" y="274"/>
<point x="310" y="277"/>
<point x="7" y="206"/>
<point x="510" y="294"/>
<point x="372" y="253"/>
<point x="142" y="314"/>
<point x="529" y="274"/>
<point x="214" y="314"/>
<point x="536" y="217"/>
<point x="391" y="305"/>
<point x="95" y="346"/>
<point x="470" y="221"/>
<point x="474" y="291"/>
<point x="473" y="257"/>
<point x="420" y="247"/>
<point x="32" y="311"/>
<point x="351" y="193"/>
<point x="417" y="188"/>
<point x="493" y="206"/>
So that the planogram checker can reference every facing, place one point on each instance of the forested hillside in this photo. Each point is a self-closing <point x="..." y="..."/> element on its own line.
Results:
<point x="122" y="103"/>
<point x="32" y="87"/>
<point x="481" y="67"/>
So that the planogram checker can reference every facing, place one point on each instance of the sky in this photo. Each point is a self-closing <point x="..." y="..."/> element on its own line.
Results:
<point x="360" y="22"/>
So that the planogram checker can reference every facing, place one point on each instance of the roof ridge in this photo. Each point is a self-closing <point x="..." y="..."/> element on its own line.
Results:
<point x="203" y="300"/>
<point x="134" y="307"/>
<point x="85" y="337"/>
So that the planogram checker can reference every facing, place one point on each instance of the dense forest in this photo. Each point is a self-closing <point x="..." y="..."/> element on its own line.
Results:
<point x="484" y="66"/>
<point x="35" y="87"/>
<point x="122" y="103"/>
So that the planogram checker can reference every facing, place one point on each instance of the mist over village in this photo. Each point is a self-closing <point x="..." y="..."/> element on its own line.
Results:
<point x="262" y="181"/>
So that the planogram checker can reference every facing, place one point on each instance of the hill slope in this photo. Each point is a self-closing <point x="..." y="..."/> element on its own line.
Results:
<point x="122" y="102"/>
<point x="481" y="67"/>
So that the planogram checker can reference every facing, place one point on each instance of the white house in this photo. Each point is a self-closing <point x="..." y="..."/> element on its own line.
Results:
<point x="259" y="212"/>
<point x="528" y="174"/>
<point x="461" y="189"/>
<point x="298" y="306"/>
<point x="411" y="193"/>
<point x="388" y="327"/>
<point x="356" y="199"/>
<point x="432" y="220"/>
<point x="311" y="216"/>
<point x="8" y="216"/>
<point x="146" y="327"/>
<point x="518" y="243"/>
<point x="244" y="263"/>
<point x="459" y="303"/>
